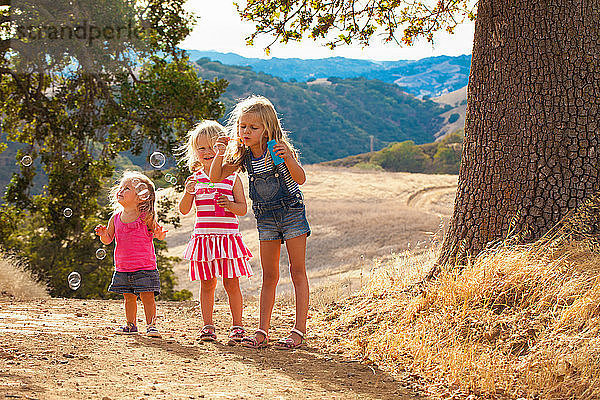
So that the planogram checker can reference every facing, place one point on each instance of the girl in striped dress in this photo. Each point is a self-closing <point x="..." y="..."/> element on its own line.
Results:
<point x="216" y="248"/>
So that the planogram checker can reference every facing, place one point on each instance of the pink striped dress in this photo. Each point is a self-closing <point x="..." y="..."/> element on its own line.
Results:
<point x="216" y="247"/>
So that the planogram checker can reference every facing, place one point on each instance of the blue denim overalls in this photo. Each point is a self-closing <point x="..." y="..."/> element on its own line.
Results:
<point x="268" y="190"/>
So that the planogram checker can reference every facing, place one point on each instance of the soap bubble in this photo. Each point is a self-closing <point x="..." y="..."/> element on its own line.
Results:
<point x="192" y="189"/>
<point x="168" y="177"/>
<point x="26" y="161"/>
<point x="173" y="180"/>
<point x="144" y="194"/>
<point x="220" y="148"/>
<point x="100" y="254"/>
<point x="74" y="280"/>
<point x="157" y="159"/>
<point x="67" y="212"/>
<point x="142" y="191"/>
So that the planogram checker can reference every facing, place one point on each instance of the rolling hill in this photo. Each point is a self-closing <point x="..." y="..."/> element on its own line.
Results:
<point x="432" y="76"/>
<point x="334" y="118"/>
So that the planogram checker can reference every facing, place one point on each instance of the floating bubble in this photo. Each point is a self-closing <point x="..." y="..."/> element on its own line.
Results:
<point x="74" y="280"/>
<point x="173" y="180"/>
<point x="168" y="177"/>
<point x="220" y="148"/>
<point x="144" y="194"/>
<point x="192" y="189"/>
<point x="26" y="161"/>
<point x="157" y="159"/>
<point x="100" y="254"/>
<point x="67" y="212"/>
<point x="142" y="191"/>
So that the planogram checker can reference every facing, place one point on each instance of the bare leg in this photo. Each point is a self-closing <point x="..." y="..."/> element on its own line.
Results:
<point x="207" y="299"/>
<point x="232" y="287"/>
<point x="130" y="301"/>
<point x="269" y="261"/>
<point x="149" y="307"/>
<point x="296" y="248"/>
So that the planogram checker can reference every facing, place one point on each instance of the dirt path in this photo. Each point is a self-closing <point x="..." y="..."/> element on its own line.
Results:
<point x="433" y="199"/>
<point x="65" y="349"/>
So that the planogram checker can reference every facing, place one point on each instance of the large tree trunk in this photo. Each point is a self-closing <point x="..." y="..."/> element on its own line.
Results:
<point x="531" y="150"/>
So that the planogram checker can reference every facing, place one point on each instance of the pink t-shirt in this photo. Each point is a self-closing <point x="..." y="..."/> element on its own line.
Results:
<point x="134" y="250"/>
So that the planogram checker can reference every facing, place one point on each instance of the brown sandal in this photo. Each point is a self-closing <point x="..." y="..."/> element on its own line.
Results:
<point x="288" y="342"/>
<point x="252" y="342"/>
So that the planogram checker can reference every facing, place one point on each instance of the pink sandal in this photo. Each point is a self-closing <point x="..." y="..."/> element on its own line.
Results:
<point x="288" y="342"/>
<point x="252" y="342"/>
<point x="236" y="335"/>
<point x="207" y="334"/>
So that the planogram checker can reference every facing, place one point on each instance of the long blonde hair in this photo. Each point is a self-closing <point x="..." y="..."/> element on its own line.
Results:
<point x="264" y="109"/>
<point x="146" y="205"/>
<point x="209" y="129"/>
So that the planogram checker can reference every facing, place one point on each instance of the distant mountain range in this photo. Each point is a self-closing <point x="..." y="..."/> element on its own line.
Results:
<point x="334" y="118"/>
<point x="430" y="77"/>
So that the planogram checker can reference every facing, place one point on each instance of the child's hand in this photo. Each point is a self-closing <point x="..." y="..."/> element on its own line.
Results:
<point x="101" y="230"/>
<point x="160" y="233"/>
<point x="223" y="201"/>
<point x="190" y="185"/>
<point x="282" y="150"/>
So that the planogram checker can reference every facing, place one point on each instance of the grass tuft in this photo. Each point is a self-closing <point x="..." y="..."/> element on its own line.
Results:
<point x="519" y="321"/>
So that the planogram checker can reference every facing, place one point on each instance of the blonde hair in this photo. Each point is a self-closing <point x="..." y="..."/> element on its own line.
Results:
<point x="146" y="206"/>
<point x="211" y="130"/>
<point x="264" y="109"/>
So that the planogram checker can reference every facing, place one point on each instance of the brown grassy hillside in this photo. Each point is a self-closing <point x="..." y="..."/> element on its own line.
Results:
<point x="351" y="213"/>
<point x="519" y="322"/>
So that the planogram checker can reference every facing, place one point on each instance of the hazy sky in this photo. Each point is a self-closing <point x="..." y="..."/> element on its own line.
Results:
<point x="219" y="28"/>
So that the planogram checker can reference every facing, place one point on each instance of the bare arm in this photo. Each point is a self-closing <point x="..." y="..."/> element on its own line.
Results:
<point x="185" y="204"/>
<point x="220" y="170"/>
<point x="296" y="170"/>
<point x="238" y="206"/>
<point x="106" y="233"/>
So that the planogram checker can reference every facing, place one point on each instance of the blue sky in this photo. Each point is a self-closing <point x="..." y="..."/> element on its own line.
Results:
<point x="219" y="28"/>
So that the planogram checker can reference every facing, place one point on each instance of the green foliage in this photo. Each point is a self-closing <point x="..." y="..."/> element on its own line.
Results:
<point x="453" y="118"/>
<point x="442" y="157"/>
<point x="342" y="23"/>
<point x="404" y="156"/>
<point x="75" y="119"/>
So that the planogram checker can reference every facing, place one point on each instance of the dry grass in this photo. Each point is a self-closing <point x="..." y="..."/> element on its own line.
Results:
<point x="520" y="321"/>
<point x="17" y="283"/>
<point x="351" y="213"/>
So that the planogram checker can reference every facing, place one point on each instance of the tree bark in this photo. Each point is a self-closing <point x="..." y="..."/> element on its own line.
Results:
<point x="531" y="150"/>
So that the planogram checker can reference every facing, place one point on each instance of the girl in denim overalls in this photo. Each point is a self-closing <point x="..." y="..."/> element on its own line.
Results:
<point x="277" y="203"/>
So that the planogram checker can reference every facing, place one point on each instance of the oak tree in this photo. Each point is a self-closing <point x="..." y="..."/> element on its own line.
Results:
<point x="531" y="149"/>
<point x="80" y="83"/>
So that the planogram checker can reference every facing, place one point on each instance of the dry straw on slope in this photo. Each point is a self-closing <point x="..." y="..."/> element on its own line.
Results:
<point x="17" y="283"/>
<point x="518" y="321"/>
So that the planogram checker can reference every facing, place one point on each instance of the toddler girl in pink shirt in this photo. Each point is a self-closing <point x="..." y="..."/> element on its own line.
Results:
<point x="133" y="226"/>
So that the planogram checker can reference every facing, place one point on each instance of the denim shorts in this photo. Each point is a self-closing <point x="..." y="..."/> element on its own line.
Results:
<point x="282" y="223"/>
<point x="135" y="282"/>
